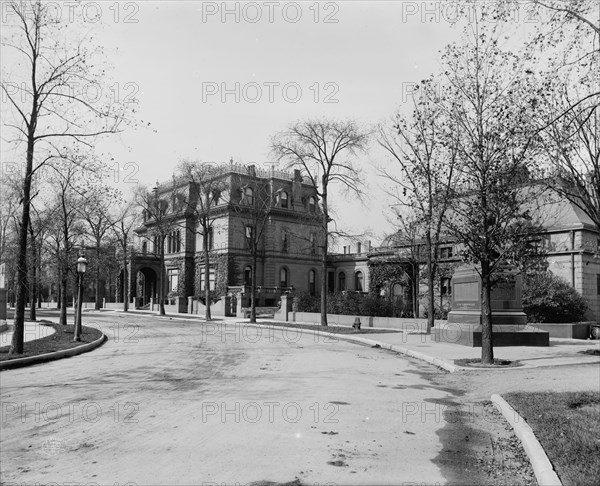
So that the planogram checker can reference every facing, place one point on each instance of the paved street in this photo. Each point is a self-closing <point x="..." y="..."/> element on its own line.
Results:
<point x="179" y="402"/>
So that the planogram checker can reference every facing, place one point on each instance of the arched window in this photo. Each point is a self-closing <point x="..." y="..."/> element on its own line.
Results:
<point x="342" y="281"/>
<point x="312" y="204"/>
<point x="283" y="277"/>
<point x="248" y="275"/>
<point x="358" y="281"/>
<point x="312" y="282"/>
<point x="249" y="196"/>
<point x="145" y="247"/>
<point x="284" y="199"/>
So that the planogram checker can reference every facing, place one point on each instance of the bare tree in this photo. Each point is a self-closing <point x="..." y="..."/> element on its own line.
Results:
<point x="253" y="207"/>
<point x="66" y="184"/>
<point x="159" y="222"/>
<point x="123" y="220"/>
<point x="46" y="89"/>
<point x="94" y="212"/>
<point x="424" y="149"/>
<point x="321" y="148"/>
<point x="207" y="190"/>
<point x="572" y="146"/>
<point x="569" y="100"/>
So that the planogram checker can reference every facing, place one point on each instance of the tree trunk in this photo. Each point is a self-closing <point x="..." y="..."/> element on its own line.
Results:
<point x="63" y="297"/>
<point x="161" y="285"/>
<point x="253" y="285"/>
<point x="324" y="263"/>
<point x="33" y="292"/>
<point x="97" y="305"/>
<point x="58" y="287"/>
<point x="33" y="283"/>
<point x="205" y="238"/>
<point x="125" y="279"/>
<point x="16" y="345"/>
<point x="487" y="349"/>
<point x="430" y="285"/>
<point x="415" y="289"/>
<point x="39" y="279"/>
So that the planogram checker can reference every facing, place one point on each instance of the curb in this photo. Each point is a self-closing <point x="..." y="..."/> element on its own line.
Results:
<point x="41" y="358"/>
<point x="452" y="368"/>
<point x="542" y="467"/>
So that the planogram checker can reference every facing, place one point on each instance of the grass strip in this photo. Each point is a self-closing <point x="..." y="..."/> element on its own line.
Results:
<point x="567" y="426"/>
<point x="60" y="340"/>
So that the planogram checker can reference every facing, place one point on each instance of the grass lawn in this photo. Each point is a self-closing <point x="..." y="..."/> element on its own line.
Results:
<point x="568" y="427"/>
<point x="61" y="339"/>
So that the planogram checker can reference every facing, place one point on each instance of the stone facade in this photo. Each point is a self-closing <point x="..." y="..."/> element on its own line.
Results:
<point x="288" y="255"/>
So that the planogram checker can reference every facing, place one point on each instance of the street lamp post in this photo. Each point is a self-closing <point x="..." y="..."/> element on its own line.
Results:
<point x="81" y="268"/>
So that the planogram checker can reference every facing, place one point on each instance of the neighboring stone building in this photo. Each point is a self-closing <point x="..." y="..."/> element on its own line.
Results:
<point x="570" y="240"/>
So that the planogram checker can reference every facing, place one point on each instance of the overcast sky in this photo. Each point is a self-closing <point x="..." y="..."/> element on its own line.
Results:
<point x="216" y="80"/>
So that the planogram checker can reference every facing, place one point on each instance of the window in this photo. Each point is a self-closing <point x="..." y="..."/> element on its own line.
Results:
<point x="446" y="252"/>
<point x="342" y="281"/>
<point x="445" y="286"/>
<point x="249" y="196"/>
<point x="144" y="247"/>
<point x="284" y="243"/>
<point x="283" y="277"/>
<point x="358" y="281"/>
<point x="178" y="241"/>
<point x="312" y="282"/>
<point x="312" y="204"/>
<point x="248" y="235"/>
<point x="169" y="242"/>
<point x="284" y="199"/>
<point x="248" y="275"/>
<point x="211" y="279"/>
<point x="313" y="244"/>
<point x="359" y="248"/>
<point x="173" y="278"/>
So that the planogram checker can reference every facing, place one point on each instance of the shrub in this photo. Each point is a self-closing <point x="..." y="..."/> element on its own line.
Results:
<point x="548" y="298"/>
<point x="345" y="303"/>
<point x="304" y="302"/>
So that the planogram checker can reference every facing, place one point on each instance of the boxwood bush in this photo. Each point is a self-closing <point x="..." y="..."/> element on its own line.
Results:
<point x="548" y="298"/>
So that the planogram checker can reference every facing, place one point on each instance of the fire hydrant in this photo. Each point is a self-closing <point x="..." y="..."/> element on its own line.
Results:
<point x="356" y="324"/>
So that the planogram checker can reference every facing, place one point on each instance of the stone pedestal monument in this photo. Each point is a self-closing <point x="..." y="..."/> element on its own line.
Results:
<point x="509" y="322"/>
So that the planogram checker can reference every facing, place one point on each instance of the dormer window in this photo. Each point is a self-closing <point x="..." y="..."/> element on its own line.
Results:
<point x="312" y="204"/>
<point x="284" y="199"/>
<point x="249" y="196"/>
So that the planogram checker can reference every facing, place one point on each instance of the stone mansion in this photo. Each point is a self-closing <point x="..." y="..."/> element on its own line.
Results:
<point x="289" y="257"/>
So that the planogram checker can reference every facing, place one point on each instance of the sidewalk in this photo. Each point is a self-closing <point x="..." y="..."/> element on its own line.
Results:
<point x="561" y="352"/>
<point x="33" y="330"/>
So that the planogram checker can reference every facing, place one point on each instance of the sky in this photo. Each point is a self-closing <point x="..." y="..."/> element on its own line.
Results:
<point x="215" y="81"/>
